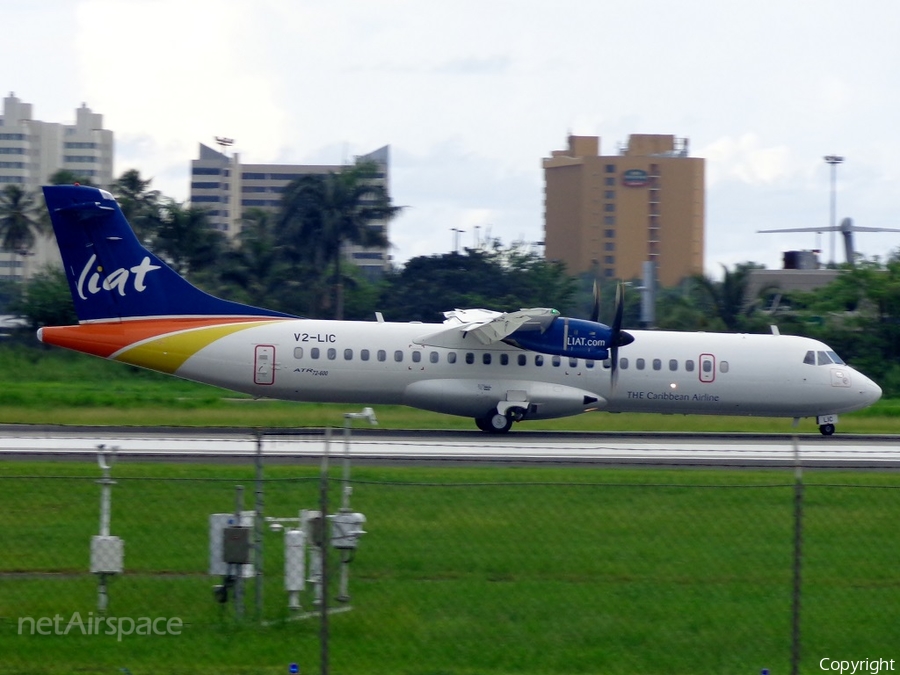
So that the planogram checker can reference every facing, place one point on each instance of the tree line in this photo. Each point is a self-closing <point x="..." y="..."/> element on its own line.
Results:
<point x="291" y="259"/>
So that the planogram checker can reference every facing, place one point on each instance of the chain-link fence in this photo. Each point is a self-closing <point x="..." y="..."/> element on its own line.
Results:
<point x="461" y="569"/>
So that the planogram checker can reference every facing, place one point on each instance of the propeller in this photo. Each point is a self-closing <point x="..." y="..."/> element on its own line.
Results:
<point x="595" y="308"/>
<point x="618" y="337"/>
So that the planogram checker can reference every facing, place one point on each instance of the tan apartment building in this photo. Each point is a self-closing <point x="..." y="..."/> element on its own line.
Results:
<point x="608" y="214"/>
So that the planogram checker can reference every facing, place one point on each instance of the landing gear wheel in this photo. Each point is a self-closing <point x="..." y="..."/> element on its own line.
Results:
<point x="494" y="423"/>
<point x="826" y="429"/>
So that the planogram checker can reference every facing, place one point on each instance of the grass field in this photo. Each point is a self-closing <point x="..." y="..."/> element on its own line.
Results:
<point x="463" y="571"/>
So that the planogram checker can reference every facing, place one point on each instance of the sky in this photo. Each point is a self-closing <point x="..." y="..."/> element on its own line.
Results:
<point x="471" y="95"/>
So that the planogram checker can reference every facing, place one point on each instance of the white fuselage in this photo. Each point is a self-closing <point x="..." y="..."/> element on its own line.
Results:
<point x="668" y="372"/>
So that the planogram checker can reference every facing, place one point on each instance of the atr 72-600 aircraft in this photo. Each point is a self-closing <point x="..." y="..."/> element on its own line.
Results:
<point x="497" y="368"/>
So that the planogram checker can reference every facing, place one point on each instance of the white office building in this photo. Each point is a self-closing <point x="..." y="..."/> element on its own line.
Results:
<point x="226" y="188"/>
<point x="33" y="150"/>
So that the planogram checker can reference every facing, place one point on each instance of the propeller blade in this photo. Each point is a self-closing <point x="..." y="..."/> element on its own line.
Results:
<point x="595" y="308"/>
<point x="614" y="337"/>
<point x="620" y="310"/>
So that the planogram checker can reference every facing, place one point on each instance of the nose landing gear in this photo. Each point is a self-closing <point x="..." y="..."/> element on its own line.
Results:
<point x="826" y="424"/>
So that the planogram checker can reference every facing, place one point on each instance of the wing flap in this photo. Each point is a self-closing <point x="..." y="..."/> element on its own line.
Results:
<point x="486" y="327"/>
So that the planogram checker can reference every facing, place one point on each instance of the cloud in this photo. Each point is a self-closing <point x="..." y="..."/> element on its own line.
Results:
<point x="745" y="160"/>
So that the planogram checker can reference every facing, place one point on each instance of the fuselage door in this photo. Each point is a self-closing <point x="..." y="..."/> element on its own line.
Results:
<point x="707" y="367"/>
<point x="264" y="364"/>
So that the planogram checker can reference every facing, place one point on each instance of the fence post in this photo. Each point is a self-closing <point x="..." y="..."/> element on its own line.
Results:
<point x="798" y="559"/>
<point x="323" y="508"/>
<point x="258" y="525"/>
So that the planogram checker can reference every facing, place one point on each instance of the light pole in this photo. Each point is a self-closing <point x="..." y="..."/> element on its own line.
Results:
<point x="833" y="160"/>
<point x="456" y="232"/>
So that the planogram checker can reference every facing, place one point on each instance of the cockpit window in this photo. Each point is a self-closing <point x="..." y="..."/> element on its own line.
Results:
<point x="822" y="358"/>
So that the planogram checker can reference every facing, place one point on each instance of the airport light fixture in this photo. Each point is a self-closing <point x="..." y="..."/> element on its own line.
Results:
<point x="833" y="161"/>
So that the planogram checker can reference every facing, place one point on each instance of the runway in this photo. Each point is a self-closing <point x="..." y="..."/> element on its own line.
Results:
<point x="378" y="445"/>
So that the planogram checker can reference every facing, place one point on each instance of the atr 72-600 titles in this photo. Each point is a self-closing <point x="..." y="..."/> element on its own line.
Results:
<point x="497" y="368"/>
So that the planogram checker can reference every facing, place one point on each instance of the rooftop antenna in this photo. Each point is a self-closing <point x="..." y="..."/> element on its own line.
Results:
<point x="224" y="142"/>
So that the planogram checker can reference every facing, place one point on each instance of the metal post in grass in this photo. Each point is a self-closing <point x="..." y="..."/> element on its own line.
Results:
<point x="258" y="525"/>
<point x="239" y="577"/>
<point x="323" y="508"/>
<point x="798" y="559"/>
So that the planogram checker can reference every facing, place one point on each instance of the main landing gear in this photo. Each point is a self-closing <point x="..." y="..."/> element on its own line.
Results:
<point x="496" y="422"/>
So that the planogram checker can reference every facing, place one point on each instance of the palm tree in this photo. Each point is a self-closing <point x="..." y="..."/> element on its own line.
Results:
<point x="185" y="239"/>
<point x="253" y="265"/>
<point x="729" y="296"/>
<point x="19" y="223"/>
<point x="68" y="177"/>
<point x="137" y="201"/>
<point x="323" y="212"/>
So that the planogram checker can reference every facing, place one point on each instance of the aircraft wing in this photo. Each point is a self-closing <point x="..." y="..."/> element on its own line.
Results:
<point x="824" y="228"/>
<point x="861" y="228"/>
<point x="486" y="326"/>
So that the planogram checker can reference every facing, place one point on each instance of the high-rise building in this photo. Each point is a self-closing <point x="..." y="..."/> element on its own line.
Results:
<point x="227" y="188"/>
<point x="32" y="150"/>
<point x="608" y="214"/>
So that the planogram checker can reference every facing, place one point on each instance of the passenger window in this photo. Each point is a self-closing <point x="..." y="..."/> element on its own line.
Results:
<point x="451" y="357"/>
<point x="382" y="355"/>
<point x="639" y="364"/>
<point x="434" y="357"/>
<point x="416" y="357"/>
<point x="298" y="352"/>
<point x="470" y="358"/>
<point x="538" y="360"/>
<point x="504" y="359"/>
<point x="364" y="354"/>
<point x="623" y="363"/>
<point x="810" y="358"/>
<point x="522" y="359"/>
<point x="823" y="358"/>
<point x="555" y="361"/>
<point x="486" y="358"/>
<point x="657" y="364"/>
<point x="723" y="366"/>
<point x="398" y="356"/>
<point x="689" y="365"/>
<point x="314" y="353"/>
<point x="707" y="366"/>
<point x="332" y="353"/>
<point x="348" y="355"/>
<point x="673" y="364"/>
<point x="573" y="363"/>
<point x="589" y="363"/>
<point x="607" y="363"/>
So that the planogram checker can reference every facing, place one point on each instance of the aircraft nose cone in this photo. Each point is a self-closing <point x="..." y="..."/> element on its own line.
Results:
<point x="873" y="391"/>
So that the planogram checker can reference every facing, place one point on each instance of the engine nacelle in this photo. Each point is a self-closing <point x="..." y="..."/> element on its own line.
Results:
<point x="576" y="338"/>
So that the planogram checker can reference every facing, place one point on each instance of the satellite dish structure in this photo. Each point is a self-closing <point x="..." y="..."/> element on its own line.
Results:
<point x="846" y="228"/>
